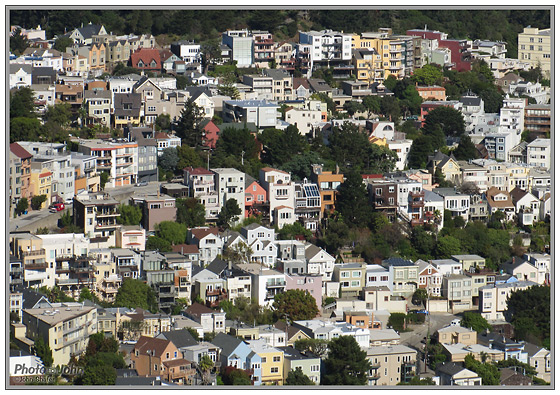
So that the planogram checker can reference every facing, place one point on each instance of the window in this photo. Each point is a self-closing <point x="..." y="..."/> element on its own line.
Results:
<point x="276" y="359"/>
<point x="263" y="359"/>
<point x="274" y="370"/>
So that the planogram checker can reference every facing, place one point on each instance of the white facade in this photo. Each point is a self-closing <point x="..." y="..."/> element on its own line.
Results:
<point x="401" y="148"/>
<point x="303" y="119"/>
<point x="538" y="153"/>
<point x="512" y="118"/>
<point x="230" y="184"/>
<point x="281" y="194"/>
<point x="327" y="45"/>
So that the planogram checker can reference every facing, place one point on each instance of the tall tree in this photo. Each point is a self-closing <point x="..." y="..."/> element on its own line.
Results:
<point x="22" y="103"/>
<point x="188" y="125"/>
<point x="450" y="120"/>
<point x="190" y="212"/>
<point x="129" y="215"/>
<point x="346" y="363"/>
<point x="352" y="201"/>
<point x="173" y="232"/>
<point x="429" y="74"/>
<point x="136" y="294"/>
<point x="18" y="42"/>
<point x="229" y="214"/>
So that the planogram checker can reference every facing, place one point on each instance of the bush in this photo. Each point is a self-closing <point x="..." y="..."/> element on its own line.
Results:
<point x="397" y="321"/>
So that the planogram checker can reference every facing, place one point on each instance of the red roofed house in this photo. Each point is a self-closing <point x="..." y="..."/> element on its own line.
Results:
<point x="25" y="157"/>
<point x="433" y="92"/>
<point x="164" y="140"/>
<point x="146" y="59"/>
<point x="255" y="198"/>
<point x="209" y="243"/>
<point x="159" y="357"/>
<point x="211" y="133"/>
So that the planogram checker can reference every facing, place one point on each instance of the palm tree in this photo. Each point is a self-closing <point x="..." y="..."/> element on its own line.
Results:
<point x="206" y="364"/>
<point x="437" y="216"/>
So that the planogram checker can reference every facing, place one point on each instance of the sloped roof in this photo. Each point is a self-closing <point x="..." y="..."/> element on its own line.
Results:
<point x="452" y="368"/>
<point x="145" y="344"/>
<point x="395" y="261"/>
<point x="196" y="309"/>
<point x="185" y="249"/>
<point x="19" y="151"/>
<point x="227" y="343"/>
<point x="146" y="55"/>
<point x="180" y="338"/>
<point x="201" y="233"/>
<point x="89" y="30"/>
<point x="492" y="192"/>
<point x="217" y="266"/>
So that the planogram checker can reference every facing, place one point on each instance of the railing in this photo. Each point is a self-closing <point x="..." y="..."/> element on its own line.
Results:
<point x="40" y="252"/>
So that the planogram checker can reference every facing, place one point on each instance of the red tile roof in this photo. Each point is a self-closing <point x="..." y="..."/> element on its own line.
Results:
<point x="198" y="171"/>
<point x="19" y="151"/>
<point x="201" y="233"/>
<point x="185" y="248"/>
<point x="146" y="55"/>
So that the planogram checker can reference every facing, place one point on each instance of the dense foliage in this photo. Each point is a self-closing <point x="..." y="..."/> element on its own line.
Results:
<point x="346" y="363"/>
<point x="136" y="294"/>
<point x="529" y="311"/>
<point x="475" y="321"/>
<point x="296" y="304"/>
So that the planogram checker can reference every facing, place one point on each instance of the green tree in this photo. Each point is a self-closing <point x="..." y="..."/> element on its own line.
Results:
<point x="62" y="42"/>
<point x="229" y="214"/>
<point x="230" y="90"/>
<point x="297" y="304"/>
<point x="318" y="347"/>
<point x="233" y="376"/>
<point x="280" y="146"/>
<point x="22" y="206"/>
<point x="352" y="201"/>
<point x="22" y="103"/>
<point x="372" y="104"/>
<point x="188" y="157"/>
<point x="188" y="125"/>
<point x="168" y="160"/>
<point x="450" y="120"/>
<point x="428" y="75"/>
<point x="37" y="201"/>
<point x="296" y="377"/>
<point x="397" y="321"/>
<point x="238" y="253"/>
<point x="352" y="107"/>
<point x="290" y="231"/>
<point x="447" y="246"/>
<point x="466" y="149"/>
<point x="58" y="114"/>
<point x="173" y="232"/>
<point x="163" y="122"/>
<point x="129" y="215"/>
<point x="98" y="375"/>
<point x="25" y="129"/>
<point x="157" y="243"/>
<point x="85" y="294"/>
<point x="134" y="293"/>
<point x="43" y="351"/>
<point x="529" y="311"/>
<point x="475" y="321"/>
<point x="18" y="42"/>
<point x="420" y="296"/>
<point x="103" y="179"/>
<point x="346" y="363"/>
<point x="190" y="212"/>
<point x="488" y="372"/>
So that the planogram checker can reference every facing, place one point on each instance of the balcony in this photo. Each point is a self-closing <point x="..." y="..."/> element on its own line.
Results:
<point x="275" y="284"/>
<point x="25" y="254"/>
<point x="35" y="265"/>
<point x="107" y="213"/>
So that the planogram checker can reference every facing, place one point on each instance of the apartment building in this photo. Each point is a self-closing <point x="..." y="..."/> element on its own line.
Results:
<point x="537" y="119"/>
<point x="230" y="184"/>
<point x="309" y="363"/>
<point x="28" y="250"/>
<point x="97" y="214"/>
<point x="457" y="288"/>
<point x="155" y="209"/>
<point x="534" y="46"/>
<point x="329" y="47"/>
<point x="459" y="50"/>
<point x="264" y="48"/>
<point x="241" y="44"/>
<point x="538" y="153"/>
<point x="328" y="184"/>
<point x="98" y="105"/>
<point x="390" y="49"/>
<point x="117" y="158"/>
<point x="391" y="365"/>
<point x="64" y="327"/>
<point x="281" y="195"/>
<point x="265" y="283"/>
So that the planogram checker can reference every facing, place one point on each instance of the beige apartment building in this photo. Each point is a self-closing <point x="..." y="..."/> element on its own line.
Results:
<point x="533" y="46"/>
<point x="391" y="365"/>
<point x="65" y="327"/>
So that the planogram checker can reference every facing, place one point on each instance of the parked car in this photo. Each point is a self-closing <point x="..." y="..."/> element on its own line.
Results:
<point x="56" y="207"/>
<point x="424" y="311"/>
<point x="141" y="184"/>
<point x="69" y="201"/>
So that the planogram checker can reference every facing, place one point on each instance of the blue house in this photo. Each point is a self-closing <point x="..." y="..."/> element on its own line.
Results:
<point x="237" y="353"/>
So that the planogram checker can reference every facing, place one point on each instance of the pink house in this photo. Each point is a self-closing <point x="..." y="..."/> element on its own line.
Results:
<point x="211" y="134"/>
<point x="255" y="197"/>
<point x="311" y="283"/>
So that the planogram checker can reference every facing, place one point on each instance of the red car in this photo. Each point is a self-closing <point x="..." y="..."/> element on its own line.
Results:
<point x="56" y="207"/>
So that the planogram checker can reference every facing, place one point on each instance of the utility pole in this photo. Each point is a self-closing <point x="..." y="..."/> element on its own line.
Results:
<point x="428" y="334"/>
